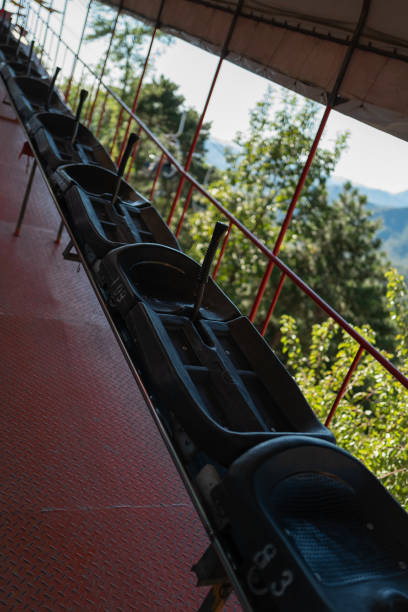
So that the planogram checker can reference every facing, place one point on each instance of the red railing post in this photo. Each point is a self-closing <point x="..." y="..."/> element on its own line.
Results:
<point x="76" y="56"/>
<point x="156" y="176"/>
<point x="223" y="55"/>
<point x="47" y="25"/>
<point x="261" y="291"/>
<point x="101" y="116"/>
<point x="115" y="136"/>
<point x="37" y="21"/>
<point x="194" y="143"/>
<point x="273" y="304"/>
<point x="221" y="255"/>
<point x="139" y="87"/>
<point x="288" y="217"/>
<point x="331" y="102"/>
<point x="133" y="156"/>
<point x="104" y="63"/>
<point x="185" y="207"/>
<point x="60" y="35"/>
<point x="344" y="385"/>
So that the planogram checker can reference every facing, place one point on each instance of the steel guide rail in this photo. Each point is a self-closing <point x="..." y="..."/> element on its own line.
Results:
<point x="195" y="496"/>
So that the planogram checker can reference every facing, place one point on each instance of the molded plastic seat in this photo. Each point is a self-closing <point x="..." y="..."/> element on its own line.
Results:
<point x="52" y="134"/>
<point x="165" y="279"/>
<point x="16" y="68"/>
<point x="87" y="192"/>
<point x="30" y="96"/>
<point x="220" y="380"/>
<point x="8" y="50"/>
<point x="311" y="528"/>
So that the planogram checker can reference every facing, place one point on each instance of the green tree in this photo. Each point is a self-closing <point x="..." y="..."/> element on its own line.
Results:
<point x="128" y="49"/>
<point x="371" y="421"/>
<point x="160" y="106"/>
<point x="332" y="246"/>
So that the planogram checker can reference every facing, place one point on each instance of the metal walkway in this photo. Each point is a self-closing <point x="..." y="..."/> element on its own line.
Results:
<point x="93" y="515"/>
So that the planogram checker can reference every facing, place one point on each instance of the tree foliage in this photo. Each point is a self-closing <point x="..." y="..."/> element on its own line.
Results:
<point x="160" y="106"/>
<point x="331" y="245"/>
<point x="129" y="45"/>
<point x="372" y="419"/>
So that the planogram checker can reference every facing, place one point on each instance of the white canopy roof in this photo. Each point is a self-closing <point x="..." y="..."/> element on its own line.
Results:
<point x="301" y="44"/>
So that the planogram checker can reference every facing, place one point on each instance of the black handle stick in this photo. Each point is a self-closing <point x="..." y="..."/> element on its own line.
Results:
<point x="83" y="94"/>
<point x="51" y="88"/>
<point x="30" y="57"/>
<point x="133" y="138"/>
<point x="219" y="231"/>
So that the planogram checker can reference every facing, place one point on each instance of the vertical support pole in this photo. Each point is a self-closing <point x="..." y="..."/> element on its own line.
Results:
<point x="47" y="25"/>
<point x="64" y="12"/>
<point x="102" y="114"/>
<point x="135" y="149"/>
<point x="273" y="304"/>
<point x="156" y="176"/>
<point x="75" y="60"/>
<point x="115" y="136"/>
<point x="64" y="57"/>
<point x="344" y="386"/>
<point x="139" y="85"/>
<point x="104" y="63"/>
<point x="295" y="198"/>
<point x="185" y="207"/>
<point x="194" y="143"/>
<point x="289" y="214"/>
<point x="25" y="199"/>
<point x="221" y="255"/>
<point x="26" y="16"/>
<point x="18" y="16"/>
<point x="261" y="291"/>
<point x="223" y="55"/>
<point x="301" y="181"/>
<point x="34" y="36"/>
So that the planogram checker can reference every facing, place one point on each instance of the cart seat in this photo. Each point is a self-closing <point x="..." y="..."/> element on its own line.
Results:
<point x="164" y="278"/>
<point x="312" y="528"/>
<point x="14" y="69"/>
<point x="51" y="134"/>
<point x="30" y="96"/>
<point x="220" y="380"/>
<point x="87" y="193"/>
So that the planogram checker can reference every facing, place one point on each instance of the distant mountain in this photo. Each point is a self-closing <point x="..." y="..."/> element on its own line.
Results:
<point x="376" y="197"/>
<point x="394" y="235"/>
<point x="395" y="221"/>
<point x="216" y="153"/>
<point x="392" y="208"/>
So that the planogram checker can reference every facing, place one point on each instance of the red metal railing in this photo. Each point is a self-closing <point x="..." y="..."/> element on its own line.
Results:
<point x="127" y="115"/>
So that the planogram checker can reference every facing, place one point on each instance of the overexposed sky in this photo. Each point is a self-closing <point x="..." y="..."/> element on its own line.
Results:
<point x="373" y="159"/>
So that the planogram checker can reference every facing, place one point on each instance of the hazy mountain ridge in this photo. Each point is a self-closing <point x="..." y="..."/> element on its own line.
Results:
<point x="391" y="208"/>
<point x="376" y="197"/>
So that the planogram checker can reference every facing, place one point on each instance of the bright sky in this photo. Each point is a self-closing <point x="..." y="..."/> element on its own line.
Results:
<point x="374" y="159"/>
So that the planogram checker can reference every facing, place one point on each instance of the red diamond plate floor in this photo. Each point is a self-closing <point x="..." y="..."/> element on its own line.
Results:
<point x="93" y="515"/>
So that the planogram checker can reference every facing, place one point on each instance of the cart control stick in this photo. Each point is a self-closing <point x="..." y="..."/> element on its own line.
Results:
<point x="219" y="230"/>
